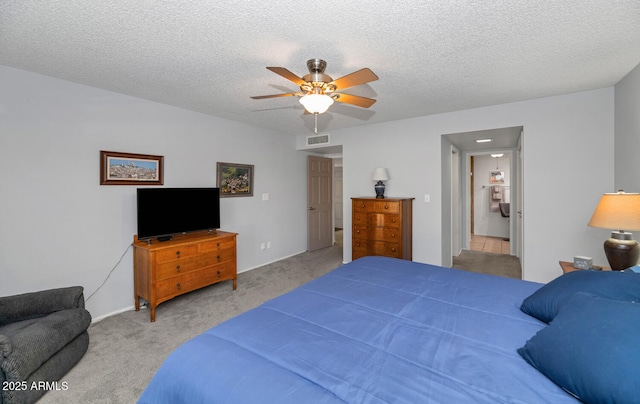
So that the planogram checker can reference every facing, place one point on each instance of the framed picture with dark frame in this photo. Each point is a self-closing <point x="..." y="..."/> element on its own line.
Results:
<point x="130" y="169"/>
<point x="234" y="179"/>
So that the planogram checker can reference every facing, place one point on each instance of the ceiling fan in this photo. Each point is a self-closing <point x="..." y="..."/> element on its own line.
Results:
<point x="318" y="90"/>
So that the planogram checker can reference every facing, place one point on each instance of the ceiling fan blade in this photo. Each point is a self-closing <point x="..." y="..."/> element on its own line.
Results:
<point x="287" y="75"/>
<point x="361" y="76"/>
<point x="261" y="97"/>
<point x="363" y="102"/>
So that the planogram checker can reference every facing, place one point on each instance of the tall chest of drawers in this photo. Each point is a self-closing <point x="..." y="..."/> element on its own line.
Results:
<point x="381" y="227"/>
<point x="164" y="270"/>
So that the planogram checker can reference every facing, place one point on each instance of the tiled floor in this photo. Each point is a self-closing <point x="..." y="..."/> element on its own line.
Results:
<point x="489" y="244"/>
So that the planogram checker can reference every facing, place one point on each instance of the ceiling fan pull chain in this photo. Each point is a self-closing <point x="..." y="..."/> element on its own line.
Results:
<point x="316" y="127"/>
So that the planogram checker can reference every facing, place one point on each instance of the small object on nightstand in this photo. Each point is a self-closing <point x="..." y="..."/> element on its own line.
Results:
<point x="583" y="262"/>
<point x="569" y="267"/>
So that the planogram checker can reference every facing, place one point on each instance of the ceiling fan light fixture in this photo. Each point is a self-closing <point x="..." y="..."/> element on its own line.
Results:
<point x="316" y="103"/>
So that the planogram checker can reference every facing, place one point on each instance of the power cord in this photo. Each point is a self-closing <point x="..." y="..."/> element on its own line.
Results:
<point x="110" y="272"/>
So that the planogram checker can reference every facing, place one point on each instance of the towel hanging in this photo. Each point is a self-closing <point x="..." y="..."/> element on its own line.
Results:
<point x="496" y="196"/>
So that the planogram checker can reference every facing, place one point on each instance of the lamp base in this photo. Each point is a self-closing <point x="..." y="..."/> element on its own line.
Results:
<point x="621" y="250"/>
<point x="379" y="187"/>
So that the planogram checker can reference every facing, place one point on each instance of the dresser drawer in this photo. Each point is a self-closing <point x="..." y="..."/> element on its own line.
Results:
<point x="382" y="220"/>
<point x="362" y="248"/>
<point x="225" y="244"/>
<point x="168" y="254"/>
<point x="376" y="219"/>
<point x="194" y="280"/>
<point x="179" y="266"/>
<point x="388" y="234"/>
<point x="373" y="206"/>
<point x="391" y="234"/>
<point x="393" y="250"/>
<point x="359" y="248"/>
<point x="360" y="218"/>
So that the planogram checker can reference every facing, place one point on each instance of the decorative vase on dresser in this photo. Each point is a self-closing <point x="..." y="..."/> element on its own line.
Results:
<point x="381" y="227"/>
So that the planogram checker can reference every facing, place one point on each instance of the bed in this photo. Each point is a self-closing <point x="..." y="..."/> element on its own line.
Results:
<point x="376" y="330"/>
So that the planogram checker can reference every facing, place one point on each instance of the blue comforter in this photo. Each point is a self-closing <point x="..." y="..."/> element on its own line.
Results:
<point x="376" y="330"/>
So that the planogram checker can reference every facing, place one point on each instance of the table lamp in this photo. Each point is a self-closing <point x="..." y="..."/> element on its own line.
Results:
<point x="619" y="211"/>
<point x="380" y="174"/>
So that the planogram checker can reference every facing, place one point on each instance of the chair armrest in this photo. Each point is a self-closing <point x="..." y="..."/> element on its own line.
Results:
<point x="38" y="304"/>
<point x="26" y="349"/>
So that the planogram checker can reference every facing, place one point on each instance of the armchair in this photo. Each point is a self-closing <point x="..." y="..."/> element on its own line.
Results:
<point x="42" y="336"/>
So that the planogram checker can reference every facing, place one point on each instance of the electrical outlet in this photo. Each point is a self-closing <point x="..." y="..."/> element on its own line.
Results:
<point x="268" y="244"/>
<point x="263" y="247"/>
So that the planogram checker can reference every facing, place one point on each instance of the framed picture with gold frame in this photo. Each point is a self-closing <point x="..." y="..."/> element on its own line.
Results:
<point x="118" y="168"/>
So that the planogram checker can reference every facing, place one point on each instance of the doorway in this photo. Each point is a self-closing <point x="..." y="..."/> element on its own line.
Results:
<point x="319" y="203"/>
<point x="466" y="186"/>
<point x="325" y="229"/>
<point x="490" y="202"/>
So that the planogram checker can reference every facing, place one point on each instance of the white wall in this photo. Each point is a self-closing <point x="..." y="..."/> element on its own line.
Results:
<point x="627" y="149"/>
<point x="487" y="222"/>
<point x="59" y="227"/>
<point x="568" y="163"/>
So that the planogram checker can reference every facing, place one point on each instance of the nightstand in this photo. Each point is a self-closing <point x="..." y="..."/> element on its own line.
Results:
<point x="568" y="267"/>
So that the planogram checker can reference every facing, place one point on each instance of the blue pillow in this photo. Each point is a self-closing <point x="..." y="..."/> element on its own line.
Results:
<point x="544" y="303"/>
<point x="591" y="349"/>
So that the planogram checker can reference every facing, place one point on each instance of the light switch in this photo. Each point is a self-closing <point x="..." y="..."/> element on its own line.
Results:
<point x="265" y="196"/>
<point x="427" y="198"/>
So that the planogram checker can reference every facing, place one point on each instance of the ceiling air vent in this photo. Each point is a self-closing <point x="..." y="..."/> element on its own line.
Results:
<point x="318" y="140"/>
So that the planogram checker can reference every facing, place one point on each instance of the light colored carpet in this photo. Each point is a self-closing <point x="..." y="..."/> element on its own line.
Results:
<point x="489" y="263"/>
<point x="126" y="349"/>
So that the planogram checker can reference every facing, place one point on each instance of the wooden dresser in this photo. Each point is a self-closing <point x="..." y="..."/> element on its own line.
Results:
<point x="164" y="270"/>
<point x="381" y="227"/>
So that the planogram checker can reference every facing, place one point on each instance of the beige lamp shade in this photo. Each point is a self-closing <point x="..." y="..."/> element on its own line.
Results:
<point x="380" y="174"/>
<point x="617" y="211"/>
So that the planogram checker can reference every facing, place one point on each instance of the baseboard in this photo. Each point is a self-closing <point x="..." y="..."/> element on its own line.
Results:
<point x="271" y="262"/>
<point x="129" y="308"/>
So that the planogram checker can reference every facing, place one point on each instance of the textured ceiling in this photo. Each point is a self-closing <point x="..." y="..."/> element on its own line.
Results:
<point x="431" y="56"/>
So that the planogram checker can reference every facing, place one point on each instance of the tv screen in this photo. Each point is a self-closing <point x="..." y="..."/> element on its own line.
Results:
<point x="167" y="211"/>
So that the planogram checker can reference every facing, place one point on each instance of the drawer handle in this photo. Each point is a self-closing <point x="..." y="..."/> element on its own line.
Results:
<point x="357" y="217"/>
<point x="357" y="244"/>
<point x="393" y="220"/>
<point x="393" y="249"/>
<point x="218" y="246"/>
<point x="178" y="268"/>
<point x="218" y="258"/>
<point x="178" y="253"/>
<point x="386" y="206"/>
<point x="358" y="231"/>
<point x="219" y="273"/>
<point x="179" y="286"/>
<point x="363" y="205"/>
<point x="393" y="235"/>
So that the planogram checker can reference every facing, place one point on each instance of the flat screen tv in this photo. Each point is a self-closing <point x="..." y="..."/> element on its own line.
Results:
<point x="164" y="212"/>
